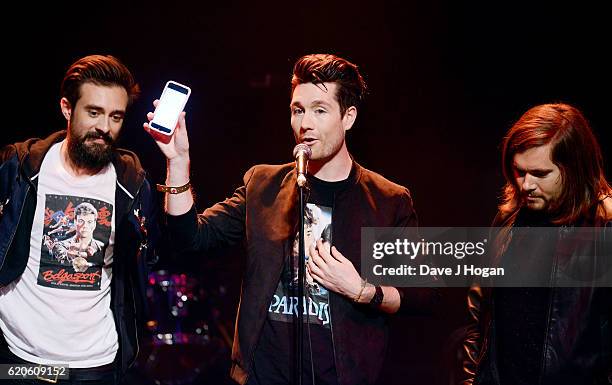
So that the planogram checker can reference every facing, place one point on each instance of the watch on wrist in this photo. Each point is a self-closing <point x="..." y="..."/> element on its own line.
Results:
<point x="377" y="300"/>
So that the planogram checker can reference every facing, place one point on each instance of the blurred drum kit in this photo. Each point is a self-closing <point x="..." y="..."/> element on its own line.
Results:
<point x="186" y="340"/>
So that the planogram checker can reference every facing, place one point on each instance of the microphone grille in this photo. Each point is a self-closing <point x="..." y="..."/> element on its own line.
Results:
<point x="302" y="148"/>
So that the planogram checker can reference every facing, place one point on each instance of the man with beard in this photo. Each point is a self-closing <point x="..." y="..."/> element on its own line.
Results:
<point x="553" y="334"/>
<point x="347" y="328"/>
<point x="91" y="328"/>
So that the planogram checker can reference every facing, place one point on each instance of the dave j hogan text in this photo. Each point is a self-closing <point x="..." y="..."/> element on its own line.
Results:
<point x="426" y="270"/>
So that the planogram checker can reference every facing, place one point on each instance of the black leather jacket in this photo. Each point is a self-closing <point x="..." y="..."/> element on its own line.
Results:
<point x="263" y="213"/>
<point x="577" y="340"/>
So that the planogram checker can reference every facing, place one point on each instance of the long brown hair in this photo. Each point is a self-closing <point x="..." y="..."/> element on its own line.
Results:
<point x="575" y="151"/>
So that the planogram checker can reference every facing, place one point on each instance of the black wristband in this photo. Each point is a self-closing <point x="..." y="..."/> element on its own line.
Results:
<point x="377" y="300"/>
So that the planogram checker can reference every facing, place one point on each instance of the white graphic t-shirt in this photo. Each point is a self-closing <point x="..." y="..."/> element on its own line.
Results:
<point x="58" y="311"/>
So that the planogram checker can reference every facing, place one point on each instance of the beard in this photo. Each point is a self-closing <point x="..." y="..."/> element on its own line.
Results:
<point x="90" y="156"/>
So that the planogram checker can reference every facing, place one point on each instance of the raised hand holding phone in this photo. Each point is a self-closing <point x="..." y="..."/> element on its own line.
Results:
<point x="166" y="115"/>
<point x="167" y="124"/>
<point x="175" y="147"/>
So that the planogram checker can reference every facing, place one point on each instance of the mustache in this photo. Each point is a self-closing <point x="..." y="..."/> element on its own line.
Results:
<point x="529" y="195"/>
<point x="99" y="135"/>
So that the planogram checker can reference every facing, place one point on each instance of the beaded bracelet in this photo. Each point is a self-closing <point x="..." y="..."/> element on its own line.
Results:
<point x="364" y="282"/>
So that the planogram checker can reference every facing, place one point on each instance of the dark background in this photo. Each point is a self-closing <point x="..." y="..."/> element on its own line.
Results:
<point x="446" y="80"/>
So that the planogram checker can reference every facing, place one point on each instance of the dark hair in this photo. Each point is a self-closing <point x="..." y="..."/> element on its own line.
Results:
<point x="85" y="208"/>
<point x="321" y="68"/>
<point x="309" y="218"/>
<point x="574" y="150"/>
<point x="100" y="70"/>
<point x="326" y="234"/>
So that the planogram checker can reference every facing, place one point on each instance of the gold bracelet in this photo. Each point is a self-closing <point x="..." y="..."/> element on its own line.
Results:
<point x="173" y="190"/>
<point x="364" y="282"/>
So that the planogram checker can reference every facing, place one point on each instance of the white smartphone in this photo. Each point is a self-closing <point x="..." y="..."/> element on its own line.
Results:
<point x="166" y="115"/>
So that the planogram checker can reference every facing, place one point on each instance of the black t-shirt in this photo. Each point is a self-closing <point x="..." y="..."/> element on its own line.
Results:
<point x="275" y="353"/>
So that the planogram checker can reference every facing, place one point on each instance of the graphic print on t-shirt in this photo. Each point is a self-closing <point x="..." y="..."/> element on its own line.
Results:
<point x="317" y="225"/>
<point x="75" y="235"/>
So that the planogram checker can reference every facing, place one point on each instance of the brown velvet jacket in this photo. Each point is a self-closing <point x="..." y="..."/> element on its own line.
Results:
<point x="263" y="213"/>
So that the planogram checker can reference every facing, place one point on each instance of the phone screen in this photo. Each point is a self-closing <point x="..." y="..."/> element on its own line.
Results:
<point x="169" y="108"/>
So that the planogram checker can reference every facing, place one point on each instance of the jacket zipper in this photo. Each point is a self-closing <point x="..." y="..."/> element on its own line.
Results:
<point x="485" y="344"/>
<point x="120" y="324"/>
<point x="553" y="273"/>
<point x="485" y="338"/>
<point x="130" y="364"/>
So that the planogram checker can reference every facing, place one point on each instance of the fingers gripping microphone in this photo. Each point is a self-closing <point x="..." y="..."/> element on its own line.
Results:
<point x="301" y="153"/>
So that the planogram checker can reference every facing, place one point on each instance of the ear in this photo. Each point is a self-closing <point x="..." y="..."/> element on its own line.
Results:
<point x="66" y="108"/>
<point x="349" y="117"/>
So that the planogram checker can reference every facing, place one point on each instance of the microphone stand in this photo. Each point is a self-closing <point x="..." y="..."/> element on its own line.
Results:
<point x="300" y="294"/>
<point x="302" y="154"/>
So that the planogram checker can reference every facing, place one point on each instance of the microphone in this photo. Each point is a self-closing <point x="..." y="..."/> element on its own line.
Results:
<point x="301" y="153"/>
